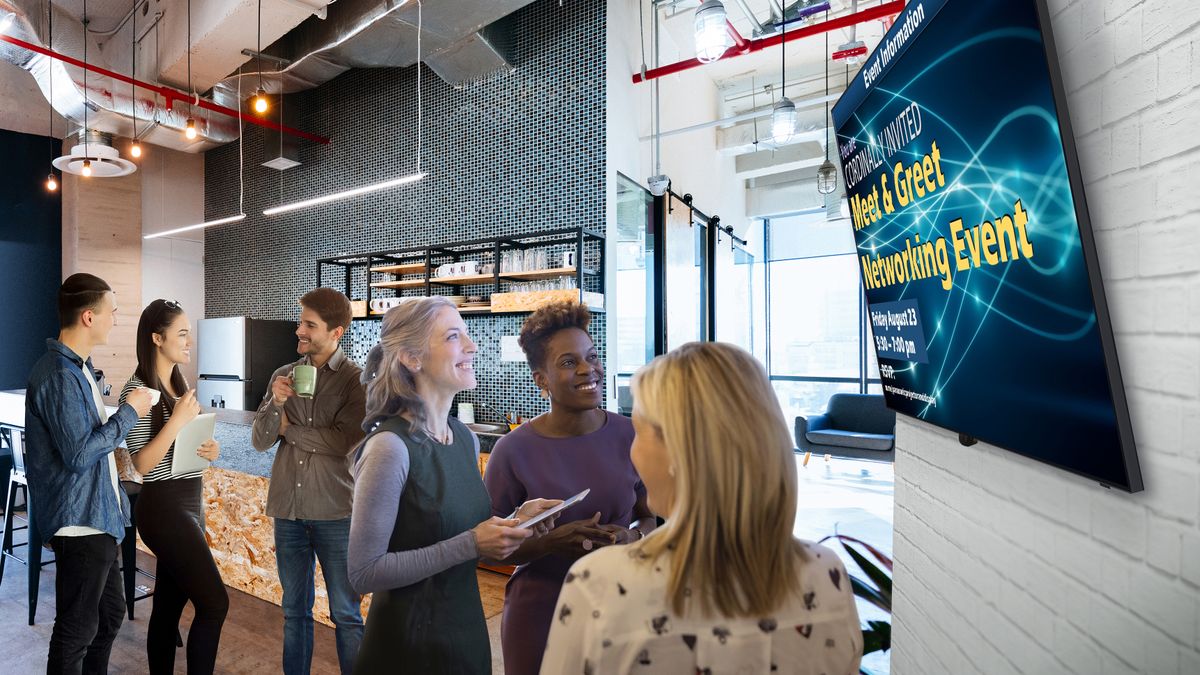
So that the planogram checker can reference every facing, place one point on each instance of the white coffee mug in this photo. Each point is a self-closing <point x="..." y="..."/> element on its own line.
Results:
<point x="466" y="413"/>
<point x="468" y="267"/>
<point x="380" y="304"/>
<point x="445" y="270"/>
<point x="568" y="259"/>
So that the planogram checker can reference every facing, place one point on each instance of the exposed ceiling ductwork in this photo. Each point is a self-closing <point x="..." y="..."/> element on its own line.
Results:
<point x="462" y="41"/>
<point x="112" y="103"/>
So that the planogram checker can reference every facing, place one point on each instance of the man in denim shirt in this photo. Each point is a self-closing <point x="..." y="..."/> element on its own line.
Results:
<point x="77" y="502"/>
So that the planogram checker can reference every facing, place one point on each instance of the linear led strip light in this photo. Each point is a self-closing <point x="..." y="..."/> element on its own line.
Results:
<point x="403" y="180"/>
<point x="210" y="223"/>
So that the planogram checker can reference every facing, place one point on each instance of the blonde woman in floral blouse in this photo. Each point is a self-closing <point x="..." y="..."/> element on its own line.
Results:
<point x="722" y="587"/>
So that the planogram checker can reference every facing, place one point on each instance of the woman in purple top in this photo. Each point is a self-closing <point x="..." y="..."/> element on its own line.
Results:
<point x="576" y="445"/>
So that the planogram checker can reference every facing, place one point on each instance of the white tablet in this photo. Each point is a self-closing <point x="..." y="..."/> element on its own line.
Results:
<point x="553" y="510"/>
<point x="190" y="438"/>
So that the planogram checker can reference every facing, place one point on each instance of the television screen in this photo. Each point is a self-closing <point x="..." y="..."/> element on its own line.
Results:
<point x="973" y="238"/>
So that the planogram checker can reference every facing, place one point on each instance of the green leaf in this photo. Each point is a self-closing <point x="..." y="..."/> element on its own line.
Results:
<point x="879" y="555"/>
<point x="862" y="590"/>
<point x="877" y="637"/>
<point x="876" y="575"/>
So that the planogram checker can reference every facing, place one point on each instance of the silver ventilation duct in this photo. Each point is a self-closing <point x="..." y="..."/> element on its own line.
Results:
<point x="462" y="41"/>
<point x="110" y="103"/>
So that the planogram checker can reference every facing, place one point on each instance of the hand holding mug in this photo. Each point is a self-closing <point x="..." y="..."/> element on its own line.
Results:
<point x="141" y="400"/>
<point x="281" y="390"/>
<point x="186" y="409"/>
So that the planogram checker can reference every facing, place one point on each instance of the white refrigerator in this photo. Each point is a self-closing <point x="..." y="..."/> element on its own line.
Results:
<point x="237" y="356"/>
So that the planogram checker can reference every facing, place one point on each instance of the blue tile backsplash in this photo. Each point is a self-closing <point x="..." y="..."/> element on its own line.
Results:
<point x="516" y="153"/>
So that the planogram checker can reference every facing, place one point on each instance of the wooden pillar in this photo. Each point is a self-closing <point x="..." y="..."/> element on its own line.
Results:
<point x="102" y="235"/>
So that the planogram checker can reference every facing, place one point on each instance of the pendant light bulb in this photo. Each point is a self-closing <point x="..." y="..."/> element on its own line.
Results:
<point x="711" y="31"/>
<point x="783" y="121"/>
<point x="827" y="178"/>
<point x="87" y="168"/>
<point x="51" y="182"/>
<point x="190" y="130"/>
<point x="260" y="101"/>
<point x="135" y="149"/>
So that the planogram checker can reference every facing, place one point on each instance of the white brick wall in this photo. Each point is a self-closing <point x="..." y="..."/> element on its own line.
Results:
<point x="1006" y="565"/>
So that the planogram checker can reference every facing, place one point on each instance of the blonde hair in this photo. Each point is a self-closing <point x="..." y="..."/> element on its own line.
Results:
<point x="391" y="387"/>
<point x="730" y="528"/>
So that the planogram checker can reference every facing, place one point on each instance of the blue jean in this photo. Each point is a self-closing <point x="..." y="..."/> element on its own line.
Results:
<point x="297" y="544"/>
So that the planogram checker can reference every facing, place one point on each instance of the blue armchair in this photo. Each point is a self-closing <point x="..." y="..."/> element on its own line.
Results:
<point x="853" y="425"/>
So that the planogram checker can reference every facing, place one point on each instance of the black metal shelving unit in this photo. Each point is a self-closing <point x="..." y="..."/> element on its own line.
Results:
<point x="411" y="269"/>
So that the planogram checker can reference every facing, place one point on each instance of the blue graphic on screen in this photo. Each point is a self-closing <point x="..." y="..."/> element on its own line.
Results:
<point x="968" y="242"/>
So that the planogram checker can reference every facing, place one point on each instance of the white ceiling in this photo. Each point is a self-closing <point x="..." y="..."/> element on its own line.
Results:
<point x="805" y="59"/>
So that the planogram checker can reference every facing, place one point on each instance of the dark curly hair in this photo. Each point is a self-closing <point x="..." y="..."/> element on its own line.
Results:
<point x="544" y="323"/>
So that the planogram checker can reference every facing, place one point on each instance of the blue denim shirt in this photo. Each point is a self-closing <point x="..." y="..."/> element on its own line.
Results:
<point x="66" y="448"/>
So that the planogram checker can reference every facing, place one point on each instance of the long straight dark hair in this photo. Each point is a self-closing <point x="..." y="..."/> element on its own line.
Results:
<point x="156" y="318"/>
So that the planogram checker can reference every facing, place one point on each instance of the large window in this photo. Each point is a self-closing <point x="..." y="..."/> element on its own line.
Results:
<point x="818" y="341"/>
<point x="634" y="285"/>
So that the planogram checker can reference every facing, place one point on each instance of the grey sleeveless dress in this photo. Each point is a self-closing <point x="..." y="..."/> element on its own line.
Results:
<point x="435" y="625"/>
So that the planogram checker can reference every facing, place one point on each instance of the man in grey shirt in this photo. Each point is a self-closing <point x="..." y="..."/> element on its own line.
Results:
<point x="311" y="488"/>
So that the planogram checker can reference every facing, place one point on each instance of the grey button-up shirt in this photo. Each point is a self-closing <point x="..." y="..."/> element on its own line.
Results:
<point x="310" y="478"/>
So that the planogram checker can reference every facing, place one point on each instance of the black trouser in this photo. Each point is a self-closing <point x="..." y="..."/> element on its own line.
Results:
<point x="89" y="604"/>
<point x="171" y="522"/>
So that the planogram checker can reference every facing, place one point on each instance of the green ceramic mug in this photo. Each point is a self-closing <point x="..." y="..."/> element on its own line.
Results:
<point x="304" y="380"/>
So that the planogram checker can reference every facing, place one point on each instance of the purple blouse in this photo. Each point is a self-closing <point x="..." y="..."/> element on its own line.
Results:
<point x="526" y="465"/>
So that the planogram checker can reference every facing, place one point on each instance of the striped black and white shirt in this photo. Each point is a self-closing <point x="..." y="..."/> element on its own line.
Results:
<point x="141" y="435"/>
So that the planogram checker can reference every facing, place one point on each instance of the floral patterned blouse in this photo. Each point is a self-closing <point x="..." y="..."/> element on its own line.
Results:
<point x="613" y="617"/>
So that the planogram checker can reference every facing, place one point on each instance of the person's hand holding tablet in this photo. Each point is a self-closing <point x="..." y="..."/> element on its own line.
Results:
<point x="538" y="514"/>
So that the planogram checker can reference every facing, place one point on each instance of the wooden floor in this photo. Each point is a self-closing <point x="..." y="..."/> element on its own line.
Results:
<point x="251" y="642"/>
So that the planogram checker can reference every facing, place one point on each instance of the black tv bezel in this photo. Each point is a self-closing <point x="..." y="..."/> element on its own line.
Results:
<point x="1116" y="385"/>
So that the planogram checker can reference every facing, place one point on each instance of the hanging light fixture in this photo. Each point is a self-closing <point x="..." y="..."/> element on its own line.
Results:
<point x="86" y="170"/>
<point x="827" y="172"/>
<point x="260" y="101"/>
<point x="51" y="181"/>
<point x="260" y="97"/>
<point x="189" y="130"/>
<point x="783" y="114"/>
<point x="711" y="31"/>
<point x="136" y="148"/>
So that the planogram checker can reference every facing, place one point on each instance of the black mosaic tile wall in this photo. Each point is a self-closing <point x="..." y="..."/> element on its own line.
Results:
<point x="516" y="153"/>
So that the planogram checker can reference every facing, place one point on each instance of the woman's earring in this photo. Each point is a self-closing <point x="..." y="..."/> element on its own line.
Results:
<point x="546" y="394"/>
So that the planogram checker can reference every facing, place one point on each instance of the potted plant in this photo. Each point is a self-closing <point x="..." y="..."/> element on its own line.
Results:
<point x="876" y="588"/>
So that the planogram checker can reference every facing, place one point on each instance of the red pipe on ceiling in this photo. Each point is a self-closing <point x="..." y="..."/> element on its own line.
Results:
<point x="170" y="95"/>
<point x="885" y="10"/>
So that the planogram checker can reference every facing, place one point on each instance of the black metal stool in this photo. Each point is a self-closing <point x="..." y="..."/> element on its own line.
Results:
<point x="18" y="481"/>
<point x="129" y="568"/>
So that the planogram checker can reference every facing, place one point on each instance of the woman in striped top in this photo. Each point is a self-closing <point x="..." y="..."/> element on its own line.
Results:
<point x="169" y="513"/>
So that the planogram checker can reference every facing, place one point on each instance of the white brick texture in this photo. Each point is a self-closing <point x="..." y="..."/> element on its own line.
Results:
<point x="1007" y="565"/>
